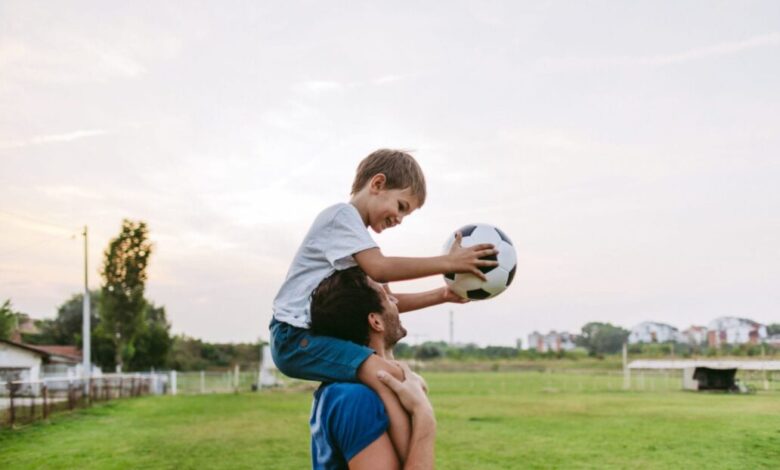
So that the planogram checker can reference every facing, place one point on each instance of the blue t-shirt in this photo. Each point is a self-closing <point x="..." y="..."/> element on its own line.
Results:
<point x="345" y="419"/>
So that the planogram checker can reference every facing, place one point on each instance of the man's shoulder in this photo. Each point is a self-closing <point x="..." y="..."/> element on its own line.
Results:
<point x="347" y="397"/>
<point x="346" y="391"/>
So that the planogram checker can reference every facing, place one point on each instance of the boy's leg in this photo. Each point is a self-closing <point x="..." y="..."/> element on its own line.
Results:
<point x="400" y="425"/>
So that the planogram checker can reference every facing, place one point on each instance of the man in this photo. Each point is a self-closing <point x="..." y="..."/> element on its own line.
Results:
<point x="348" y="421"/>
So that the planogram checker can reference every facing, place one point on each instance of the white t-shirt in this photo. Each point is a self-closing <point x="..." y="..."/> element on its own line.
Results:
<point x="336" y="234"/>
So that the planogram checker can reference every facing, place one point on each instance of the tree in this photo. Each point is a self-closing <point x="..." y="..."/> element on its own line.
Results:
<point x="153" y="343"/>
<point x="8" y="320"/>
<point x="602" y="338"/>
<point x="122" y="301"/>
<point x="66" y="328"/>
<point x="773" y="329"/>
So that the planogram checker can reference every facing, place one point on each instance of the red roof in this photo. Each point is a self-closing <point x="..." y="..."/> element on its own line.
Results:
<point x="67" y="351"/>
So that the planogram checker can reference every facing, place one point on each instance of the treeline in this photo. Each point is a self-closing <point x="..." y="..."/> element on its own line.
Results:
<point x="471" y="352"/>
<point x="129" y="332"/>
<point x="154" y="346"/>
<point x="685" y="350"/>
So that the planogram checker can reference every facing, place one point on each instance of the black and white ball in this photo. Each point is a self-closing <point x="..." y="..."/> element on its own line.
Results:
<point x="499" y="277"/>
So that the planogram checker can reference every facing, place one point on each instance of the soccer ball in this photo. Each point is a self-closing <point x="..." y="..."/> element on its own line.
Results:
<point x="499" y="277"/>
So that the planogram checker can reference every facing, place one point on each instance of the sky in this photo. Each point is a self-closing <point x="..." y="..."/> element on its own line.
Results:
<point x="631" y="150"/>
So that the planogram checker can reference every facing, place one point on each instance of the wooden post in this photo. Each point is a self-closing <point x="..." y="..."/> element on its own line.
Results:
<point x="45" y="400"/>
<point x="70" y="395"/>
<point x="11" y="410"/>
<point x="235" y="378"/>
<point x="203" y="381"/>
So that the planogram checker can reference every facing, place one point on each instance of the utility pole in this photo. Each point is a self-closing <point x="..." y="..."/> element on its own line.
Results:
<point x="452" y="329"/>
<point x="85" y="324"/>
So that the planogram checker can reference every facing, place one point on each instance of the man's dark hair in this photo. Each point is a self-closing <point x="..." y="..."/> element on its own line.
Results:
<point x="341" y="303"/>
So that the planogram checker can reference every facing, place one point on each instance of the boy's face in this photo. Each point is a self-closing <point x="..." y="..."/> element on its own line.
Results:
<point x="388" y="207"/>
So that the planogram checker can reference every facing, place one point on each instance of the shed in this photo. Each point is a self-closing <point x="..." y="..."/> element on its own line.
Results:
<point x="19" y="362"/>
<point x="705" y="374"/>
<point x="26" y="362"/>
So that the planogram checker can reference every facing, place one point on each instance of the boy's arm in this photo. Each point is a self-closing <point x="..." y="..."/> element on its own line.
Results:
<point x="383" y="268"/>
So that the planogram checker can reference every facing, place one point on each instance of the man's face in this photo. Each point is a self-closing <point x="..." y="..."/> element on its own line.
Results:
<point x="394" y="331"/>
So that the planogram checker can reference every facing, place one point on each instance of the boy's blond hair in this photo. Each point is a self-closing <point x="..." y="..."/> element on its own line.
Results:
<point x="400" y="169"/>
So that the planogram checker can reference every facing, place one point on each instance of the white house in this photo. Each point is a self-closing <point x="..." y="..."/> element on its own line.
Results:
<point x="695" y="335"/>
<point x="733" y="330"/>
<point x="653" y="332"/>
<point x="552" y="341"/>
<point x="19" y="362"/>
<point x="28" y="362"/>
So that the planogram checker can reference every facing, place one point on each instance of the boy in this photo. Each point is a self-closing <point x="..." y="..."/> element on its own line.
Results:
<point x="388" y="186"/>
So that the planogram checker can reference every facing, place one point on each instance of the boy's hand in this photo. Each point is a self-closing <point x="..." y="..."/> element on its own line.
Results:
<point x="467" y="260"/>
<point x="449" y="296"/>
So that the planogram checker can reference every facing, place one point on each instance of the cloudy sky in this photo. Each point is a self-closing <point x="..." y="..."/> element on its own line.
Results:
<point x="626" y="147"/>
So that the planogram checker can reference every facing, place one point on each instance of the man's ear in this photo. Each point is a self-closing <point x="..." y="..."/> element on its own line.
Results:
<point x="376" y="322"/>
<point x="377" y="182"/>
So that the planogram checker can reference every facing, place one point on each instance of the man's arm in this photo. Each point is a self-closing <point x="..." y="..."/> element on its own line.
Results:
<point x="412" y="393"/>
<point x="380" y="454"/>
<point x="400" y="426"/>
<point x="383" y="268"/>
<point x="419" y="300"/>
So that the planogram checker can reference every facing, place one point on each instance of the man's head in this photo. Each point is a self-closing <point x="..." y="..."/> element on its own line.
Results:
<point x="392" y="185"/>
<point x="351" y="306"/>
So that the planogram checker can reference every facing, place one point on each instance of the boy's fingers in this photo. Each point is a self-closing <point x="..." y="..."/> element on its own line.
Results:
<point x="479" y="274"/>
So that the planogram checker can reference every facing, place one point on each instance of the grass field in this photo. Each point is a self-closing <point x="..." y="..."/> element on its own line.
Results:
<point x="486" y="420"/>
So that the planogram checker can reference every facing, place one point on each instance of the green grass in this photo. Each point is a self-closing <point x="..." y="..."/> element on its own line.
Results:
<point x="486" y="420"/>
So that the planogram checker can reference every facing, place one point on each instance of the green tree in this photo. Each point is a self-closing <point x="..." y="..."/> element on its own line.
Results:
<point x="122" y="302"/>
<point x="8" y="320"/>
<point x="153" y="343"/>
<point x="602" y="338"/>
<point x="773" y="329"/>
<point x="66" y="328"/>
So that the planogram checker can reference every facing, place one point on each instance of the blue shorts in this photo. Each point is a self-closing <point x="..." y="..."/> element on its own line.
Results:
<point x="299" y="354"/>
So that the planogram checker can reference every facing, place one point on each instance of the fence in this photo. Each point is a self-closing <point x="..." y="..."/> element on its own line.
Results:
<point x="229" y="381"/>
<point x="647" y="380"/>
<point x="23" y="402"/>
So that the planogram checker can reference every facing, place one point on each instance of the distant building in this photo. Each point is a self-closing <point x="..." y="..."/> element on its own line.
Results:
<point x="536" y="341"/>
<point x="29" y="363"/>
<point x="25" y="325"/>
<point x="733" y="330"/>
<point x="552" y="341"/>
<point x="695" y="335"/>
<point x="654" y="332"/>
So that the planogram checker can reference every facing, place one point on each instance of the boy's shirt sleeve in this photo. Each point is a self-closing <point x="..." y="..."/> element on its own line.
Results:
<point x="347" y="235"/>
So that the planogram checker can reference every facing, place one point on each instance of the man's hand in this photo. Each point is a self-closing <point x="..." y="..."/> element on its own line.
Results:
<point x="448" y="296"/>
<point x="467" y="259"/>
<point x="411" y="392"/>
